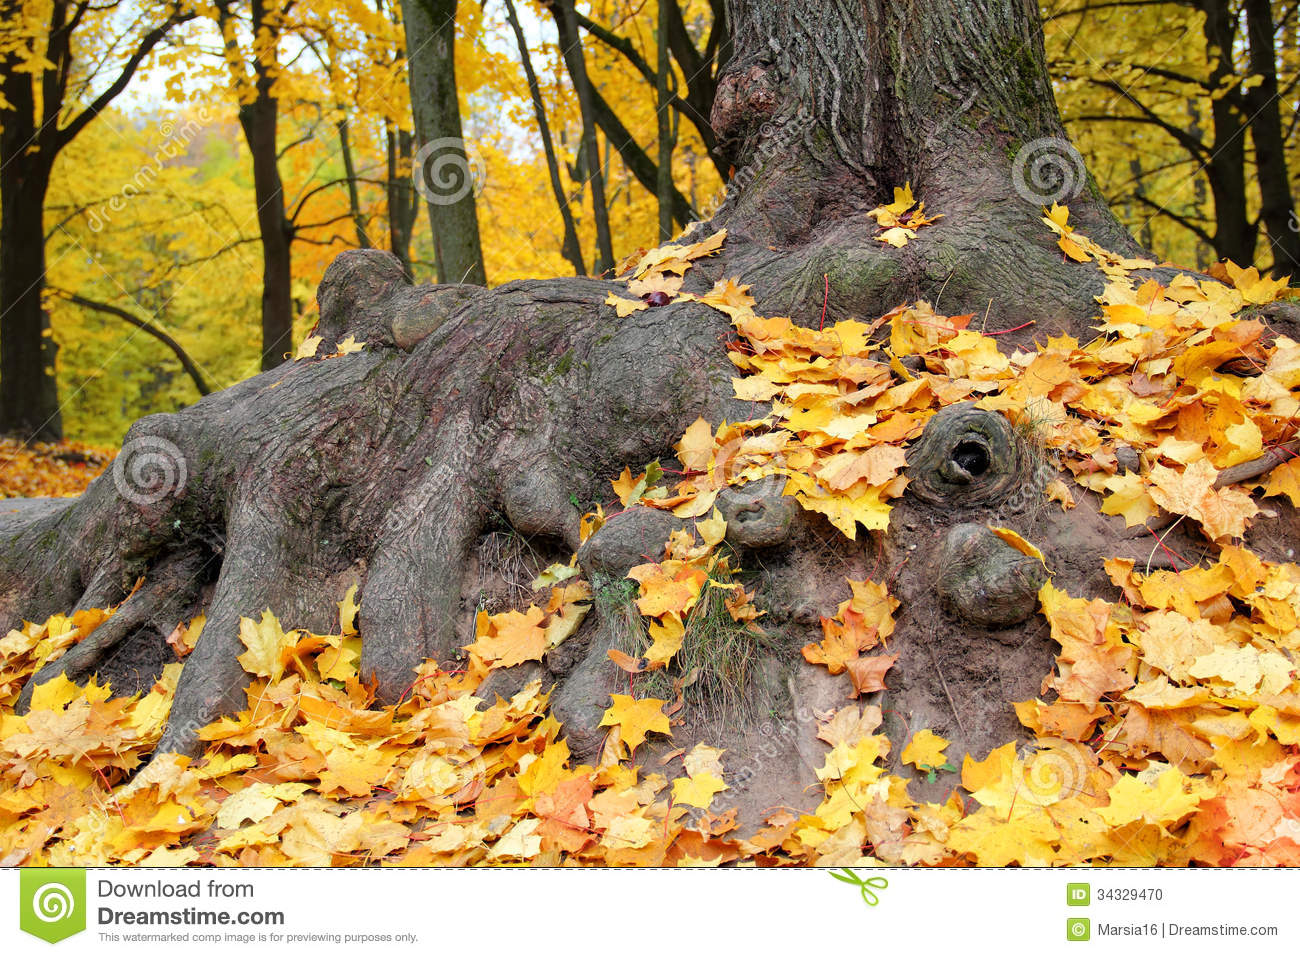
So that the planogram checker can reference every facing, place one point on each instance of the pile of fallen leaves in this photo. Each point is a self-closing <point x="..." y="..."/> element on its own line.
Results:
<point x="1172" y="736"/>
<point x="43" y="469"/>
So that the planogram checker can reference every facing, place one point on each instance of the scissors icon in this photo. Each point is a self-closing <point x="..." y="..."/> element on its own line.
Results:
<point x="864" y="884"/>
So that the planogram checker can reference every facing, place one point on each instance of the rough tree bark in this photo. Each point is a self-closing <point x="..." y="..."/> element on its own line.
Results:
<point x="474" y="409"/>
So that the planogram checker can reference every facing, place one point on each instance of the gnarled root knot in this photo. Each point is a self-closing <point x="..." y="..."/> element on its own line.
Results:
<point x="985" y="580"/>
<point x="966" y="456"/>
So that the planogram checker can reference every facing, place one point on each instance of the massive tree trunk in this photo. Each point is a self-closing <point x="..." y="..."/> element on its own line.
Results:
<point x="474" y="410"/>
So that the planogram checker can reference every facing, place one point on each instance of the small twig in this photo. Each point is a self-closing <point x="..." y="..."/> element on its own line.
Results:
<point x="1160" y="543"/>
<point x="1003" y="332"/>
<point x="1270" y="460"/>
<point x="955" y="713"/>
<point x="826" y="300"/>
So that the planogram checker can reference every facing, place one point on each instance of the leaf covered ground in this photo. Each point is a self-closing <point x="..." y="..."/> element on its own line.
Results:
<point x="1168" y="731"/>
<point x="49" y="468"/>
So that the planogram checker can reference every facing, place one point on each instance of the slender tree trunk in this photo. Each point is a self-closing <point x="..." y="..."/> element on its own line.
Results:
<point x="571" y="247"/>
<point x="1277" y="208"/>
<point x="443" y="172"/>
<point x="402" y="207"/>
<point x="575" y="60"/>
<point x="350" y="172"/>
<point x="666" y="138"/>
<point x="1234" y="235"/>
<point x="259" y="120"/>
<point x="29" y="403"/>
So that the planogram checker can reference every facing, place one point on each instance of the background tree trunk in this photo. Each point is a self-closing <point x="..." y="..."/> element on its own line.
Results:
<point x="1277" y="208"/>
<point x="29" y="144"/>
<point x="571" y="246"/>
<point x="29" y="402"/>
<point x="402" y="205"/>
<point x="259" y="120"/>
<point x="441" y="162"/>
<point x="575" y="60"/>
<point x="350" y="173"/>
<point x="667" y="138"/>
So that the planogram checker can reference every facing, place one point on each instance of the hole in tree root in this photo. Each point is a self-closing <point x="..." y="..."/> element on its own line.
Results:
<point x="971" y="457"/>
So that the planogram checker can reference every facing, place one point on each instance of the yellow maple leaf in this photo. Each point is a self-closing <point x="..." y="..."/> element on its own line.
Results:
<point x="1058" y="491"/>
<point x="307" y="348"/>
<point x="1165" y="799"/>
<point x="635" y="718"/>
<point x="889" y="215"/>
<point x="696" y="446"/>
<point x="625" y="307"/>
<point x="697" y="790"/>
<point x="898" y="236"/>
<point x="264" y="640"/>
<point x="728" y="296"/>
<point x="1223" y="513"/>
<point x="1016" y="541"/>
<point x="1130" y="497"/>
<point x="1058" y="216"/>
<point x="511" y="638"/>
<point x="1254" y="288"/>
<point x="1285" y="480"/>
<point x="666" y="636"/>
<point x="348" y="609"/>
<point x="713" y="529"/>
<point x="925" y="750"/>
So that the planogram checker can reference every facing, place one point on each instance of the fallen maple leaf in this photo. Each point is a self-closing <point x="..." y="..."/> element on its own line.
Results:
<point x="635" y="718"/>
